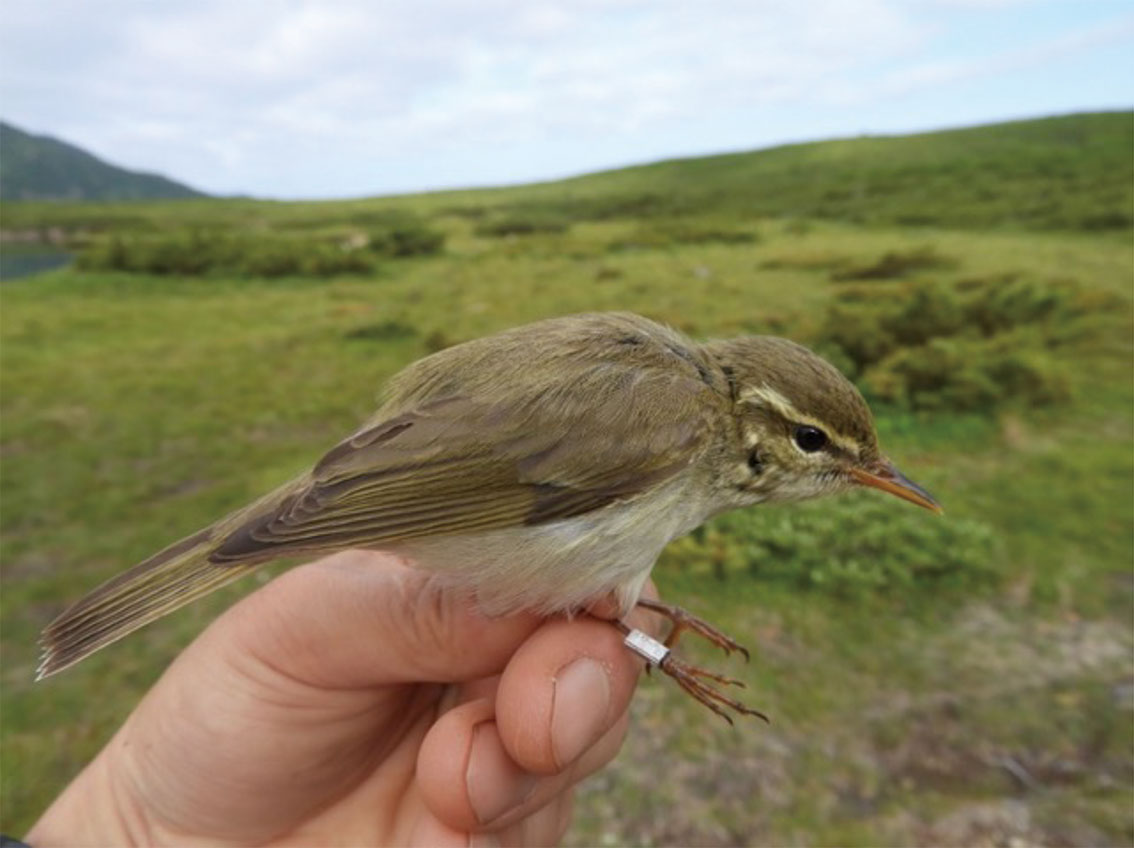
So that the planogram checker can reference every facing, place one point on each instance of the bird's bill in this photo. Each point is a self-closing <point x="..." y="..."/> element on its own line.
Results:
<point x="886" y="477"/>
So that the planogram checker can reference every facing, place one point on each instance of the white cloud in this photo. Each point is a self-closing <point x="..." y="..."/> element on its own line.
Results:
<point x="272" y="97"/>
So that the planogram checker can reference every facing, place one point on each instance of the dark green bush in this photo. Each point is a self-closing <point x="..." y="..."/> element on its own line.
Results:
<point x="382" y="331"/>
<point x="968" y="374"/>
<point x="1010" y="302"/>
<point x="895" y="264"/>
<point x="270" y="259"/>
<point x="848" y="545"/>
<point x="197" y="254"/>
<point x="409" y="238"/>
<point x="330" y="260"/>
<point x="971" y="345"/>
<point x="805" y="260"/>
<point x="185" y="253"/>
<point x="859" y="333"/>
<point x="678" y="231"/>
<point x="523" y="224"/>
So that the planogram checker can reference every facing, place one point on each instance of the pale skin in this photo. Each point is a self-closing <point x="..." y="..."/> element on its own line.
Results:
<point x="352" y="702"/>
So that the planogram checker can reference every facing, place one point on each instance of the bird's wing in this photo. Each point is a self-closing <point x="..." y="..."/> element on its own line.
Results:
<point x="460" y="464"/>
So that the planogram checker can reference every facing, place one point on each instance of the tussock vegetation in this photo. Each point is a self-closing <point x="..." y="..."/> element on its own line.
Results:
<point x="294" y="253"/>
<point x="524" y="223"/>
<point x="382" y="332"/>
<point x="894" y="264"/>
<point x="976" y="344"/>
<point x="849" y="546"/>
<point x="674" y="232"/>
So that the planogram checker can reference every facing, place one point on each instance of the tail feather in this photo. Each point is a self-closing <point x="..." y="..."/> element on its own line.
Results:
<point x="164" y="582"/>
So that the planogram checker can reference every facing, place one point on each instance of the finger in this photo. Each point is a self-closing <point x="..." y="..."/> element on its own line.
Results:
<point x="549" y="788"/>
<point x="546" y="826"/>
<point x="468" y="780"/>
<point x="428" y="832"/>
<point x="564" y="688"/>
<point x="363" y="618"/>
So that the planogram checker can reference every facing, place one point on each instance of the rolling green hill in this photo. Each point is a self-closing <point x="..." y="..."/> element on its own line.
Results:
<point x="1067" y="172"/>
<point x="38" y="167"/>
<point x="1073" y="172"/>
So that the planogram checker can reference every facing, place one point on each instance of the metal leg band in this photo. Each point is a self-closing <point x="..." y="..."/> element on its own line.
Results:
<point x="645" y="646"/>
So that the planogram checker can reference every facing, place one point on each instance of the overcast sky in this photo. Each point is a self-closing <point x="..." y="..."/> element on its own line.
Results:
<point x="341" y="99"/>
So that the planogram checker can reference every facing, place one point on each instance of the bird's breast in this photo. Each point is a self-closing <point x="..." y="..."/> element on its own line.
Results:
<point x="561" y="566"/>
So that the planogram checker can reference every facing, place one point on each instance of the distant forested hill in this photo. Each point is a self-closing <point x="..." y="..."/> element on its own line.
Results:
<point x="38" y="167"/>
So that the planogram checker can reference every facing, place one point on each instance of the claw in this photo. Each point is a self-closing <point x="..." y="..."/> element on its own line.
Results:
<point x="692" y="678"/>
<point x="689" y="678"/>
<point x="683" y="620"/>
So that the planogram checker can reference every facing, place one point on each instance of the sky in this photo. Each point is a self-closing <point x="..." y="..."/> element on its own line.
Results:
<point x="349" y="98"/>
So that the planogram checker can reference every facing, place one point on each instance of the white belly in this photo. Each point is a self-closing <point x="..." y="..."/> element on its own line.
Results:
<point x="563" y="565"/>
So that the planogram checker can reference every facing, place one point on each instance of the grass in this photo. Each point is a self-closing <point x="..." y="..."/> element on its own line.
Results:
<point x="958" y="680"/>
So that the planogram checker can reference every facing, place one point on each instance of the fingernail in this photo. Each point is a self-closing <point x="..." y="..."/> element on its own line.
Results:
<point x="495" y="783"/>
<point x="579" y="709"/>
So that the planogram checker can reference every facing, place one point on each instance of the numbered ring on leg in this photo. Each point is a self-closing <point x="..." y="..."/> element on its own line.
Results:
<point x="646" y="646"/>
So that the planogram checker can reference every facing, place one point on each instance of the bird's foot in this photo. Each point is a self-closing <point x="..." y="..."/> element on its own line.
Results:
<point x="693" y="680"/>
<point x="682" y="620"/>
<point x="696" y="681"/>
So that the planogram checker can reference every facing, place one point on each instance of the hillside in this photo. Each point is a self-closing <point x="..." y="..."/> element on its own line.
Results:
<point x="1065" y="172"/>
<point x="1073" y="172"/>
<point x="38" y="167"/>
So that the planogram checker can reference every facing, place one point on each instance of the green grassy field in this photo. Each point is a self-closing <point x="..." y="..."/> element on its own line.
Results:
<point x="965" y="680"/>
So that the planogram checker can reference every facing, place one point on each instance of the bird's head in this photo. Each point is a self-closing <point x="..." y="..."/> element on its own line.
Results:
<point x="804" y="428"/>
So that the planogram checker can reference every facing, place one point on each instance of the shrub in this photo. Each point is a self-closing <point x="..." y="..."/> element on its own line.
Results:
<point x="408" y="237"/>
<point x="382" y="331"/>
<point x="523" y="224"/>
<point x="971" y="345"/>
<point x="895" y="264"/>
<point x="678" y="231"/>
<point x="967" y="374"/>
<point x="188" y="254"/>
<point x="848" y="545"/>
<point x="197" y="253"/>
<point x="270" y="259"/>
<point x="328" y="260"/>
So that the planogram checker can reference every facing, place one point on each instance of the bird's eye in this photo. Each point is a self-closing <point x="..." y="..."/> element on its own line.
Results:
<point x="809" y="439"/>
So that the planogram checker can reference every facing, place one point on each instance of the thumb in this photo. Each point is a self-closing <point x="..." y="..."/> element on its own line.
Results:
<point x="363" y="618"/>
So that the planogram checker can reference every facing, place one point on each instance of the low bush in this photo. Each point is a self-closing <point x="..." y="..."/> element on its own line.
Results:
<point x="681" y="231"/>
<point x="184" y="253"/>
<point x="967" y="374"/>
<point x="895" y="264"/>
<point x="523" y="224"/>
<point x="974" y="344"/>
<point x="273" y="253"/>
<point x="383" y="331"/>
<point x="195" y="255"/>
<point x="847" y="545"/>
<point x="406" y="237"/>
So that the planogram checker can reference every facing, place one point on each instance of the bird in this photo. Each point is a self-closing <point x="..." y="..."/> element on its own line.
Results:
<point x="542" y="468"/>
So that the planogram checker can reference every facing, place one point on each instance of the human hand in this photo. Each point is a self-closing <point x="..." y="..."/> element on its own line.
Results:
<point x="350" y="701"/>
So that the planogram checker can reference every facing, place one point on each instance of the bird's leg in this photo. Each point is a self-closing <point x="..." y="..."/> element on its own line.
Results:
<point x="689" y="677"/>
<point x="682" y="620"/>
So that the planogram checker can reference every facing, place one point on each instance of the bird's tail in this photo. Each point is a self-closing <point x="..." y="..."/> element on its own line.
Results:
<point x="164" y="582"/>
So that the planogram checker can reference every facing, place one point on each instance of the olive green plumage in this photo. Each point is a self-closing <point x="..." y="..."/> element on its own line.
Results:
<point x="542" y="467"/>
